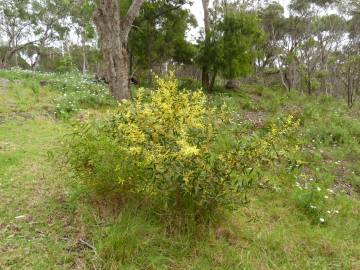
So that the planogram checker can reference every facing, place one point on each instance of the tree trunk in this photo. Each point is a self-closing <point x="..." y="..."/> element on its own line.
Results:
<point x="116" y="66"/>
<point x="308" y="85"/>
<point x="35" y="65"/>
<point x="211" y="86"/>
<point x="3" y="63"/>
<point x="349" y="87"/>
<point x="205" y="78"/>
<point x="83" y="51"/>
<point x="283" y="80"/>
<point x="4" y="60"/>
<point x="114" y="33"/>
<point x="148" y="60"/>
<point x="10" y="52"/>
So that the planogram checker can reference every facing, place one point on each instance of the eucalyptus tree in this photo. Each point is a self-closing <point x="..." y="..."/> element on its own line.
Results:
<point x="26" y="23"/>
<point x="280" y="42"/>
<point x="51" y="25"/>
<point x="321" y="35"/>
<point x="80" y="16"/>
<point x="113" y="29"/>
<point x="329" y="31"/>
<point x="16" y="23"/>
<point x="159" y="35"/>
<point x="273" y="23"/>
<point x="206" y="45"/>
<point x="354" y="22"/>
<point x="232" y="42"/>
<point x="301" y="53"/>
<point x="349" y="60"/>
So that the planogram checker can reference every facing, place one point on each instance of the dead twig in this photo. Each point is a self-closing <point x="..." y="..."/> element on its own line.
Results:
<point x="83" y="242"/>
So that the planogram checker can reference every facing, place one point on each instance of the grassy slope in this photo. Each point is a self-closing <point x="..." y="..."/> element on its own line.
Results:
<point x="37" y="226"/>
<point x="58" y="223"/>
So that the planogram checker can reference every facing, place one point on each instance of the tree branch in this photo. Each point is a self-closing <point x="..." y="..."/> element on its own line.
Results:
<point x="132" y="13"/>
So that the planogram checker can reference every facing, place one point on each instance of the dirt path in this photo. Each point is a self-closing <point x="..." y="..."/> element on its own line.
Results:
<point x="3" y="84"/>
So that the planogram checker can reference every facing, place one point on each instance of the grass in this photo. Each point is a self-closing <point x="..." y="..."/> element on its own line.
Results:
<point x="49" y="221"/>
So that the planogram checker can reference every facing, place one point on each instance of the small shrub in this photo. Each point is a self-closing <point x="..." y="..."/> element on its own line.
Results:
<point x="329" y="134"/>
<point x="168" y="146"/>
<point x="35" y="88"/>
<point x="250" y="105"/>
<point x="94" y="155"/>
<point x="189" y="84"/>
<point x="314" y="201"/>
<point x="65" y="64"/>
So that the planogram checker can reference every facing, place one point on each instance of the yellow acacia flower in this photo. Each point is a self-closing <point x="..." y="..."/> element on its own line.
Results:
<point x="186" y="149"/>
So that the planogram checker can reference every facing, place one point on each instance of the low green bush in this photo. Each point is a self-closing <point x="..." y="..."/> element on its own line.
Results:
<point x="189" y="84"/>
<point x="95" y="154"/>
<point x="315" y="202"/>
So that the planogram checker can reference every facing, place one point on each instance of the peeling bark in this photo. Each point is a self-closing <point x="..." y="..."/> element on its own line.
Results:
<point x="114" y="32"/>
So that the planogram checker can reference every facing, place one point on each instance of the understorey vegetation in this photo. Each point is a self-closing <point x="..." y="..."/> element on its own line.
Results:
<point x="179" y="134"/>
<point x="176" y="150"/>
<point x="176" y="178"/>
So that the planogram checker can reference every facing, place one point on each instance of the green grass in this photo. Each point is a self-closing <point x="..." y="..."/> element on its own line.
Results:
<point x="49" y="221"/>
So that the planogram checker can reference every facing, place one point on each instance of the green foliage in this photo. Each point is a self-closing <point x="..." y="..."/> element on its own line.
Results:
<point x="93" y="57"/>
<point x="65" y="64"/>
<point x="79" y="93"/>
<point x="160" y="34"/>
<point x="189" y="84"/>
<point x="96" y="152"/>
<point x="335" y="132"/>
<point x="75" y="91"/>
<point x="241" y="33"/>
<point x="27" y="76"/>
<point x="315" y="202"/>
<point x="29" y="23"/>
<point x="230" y="48"/>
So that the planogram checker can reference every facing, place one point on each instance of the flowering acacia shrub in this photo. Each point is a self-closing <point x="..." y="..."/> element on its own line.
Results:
<point x="164" y="145"/>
